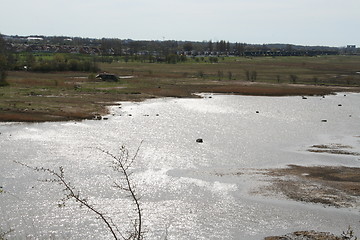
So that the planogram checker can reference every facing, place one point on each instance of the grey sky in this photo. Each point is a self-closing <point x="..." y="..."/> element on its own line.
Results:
<point x="306" y="22"/>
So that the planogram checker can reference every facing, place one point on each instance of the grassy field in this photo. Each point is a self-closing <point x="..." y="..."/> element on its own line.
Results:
<point x="77" y="95"/>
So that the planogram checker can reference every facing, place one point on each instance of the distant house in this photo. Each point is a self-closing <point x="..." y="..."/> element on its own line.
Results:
<point x="107" y="77"/>
<point x="350" y="49"/>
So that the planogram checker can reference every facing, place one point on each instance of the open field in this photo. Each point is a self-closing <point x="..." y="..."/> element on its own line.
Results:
<point x="76" y="95"/>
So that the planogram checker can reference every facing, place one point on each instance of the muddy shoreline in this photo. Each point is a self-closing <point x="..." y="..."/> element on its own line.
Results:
<point x="327" y="185"/>
<point x="90" y="107"/>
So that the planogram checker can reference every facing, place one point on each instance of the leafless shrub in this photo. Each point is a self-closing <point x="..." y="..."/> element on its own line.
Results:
<point x="293" y="78"/>
<point x="253" y="76"/>
<point x="121" y="163"/>
<point x="230" y="75"/>
<point x="247" y="74"/>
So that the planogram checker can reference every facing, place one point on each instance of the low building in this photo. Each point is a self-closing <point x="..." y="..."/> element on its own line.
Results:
<point x="107" y="77"/>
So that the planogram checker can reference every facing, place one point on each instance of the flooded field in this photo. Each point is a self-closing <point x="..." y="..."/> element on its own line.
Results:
<point x="219" y="188"/>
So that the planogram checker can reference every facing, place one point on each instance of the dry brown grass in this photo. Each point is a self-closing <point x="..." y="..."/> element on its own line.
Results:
<point x="71" y="95"/>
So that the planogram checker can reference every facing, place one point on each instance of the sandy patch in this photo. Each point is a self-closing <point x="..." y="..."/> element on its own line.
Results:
<point x="331" y="186"/>
<point x="333" y="149"/>
<point x="306" y="235"/>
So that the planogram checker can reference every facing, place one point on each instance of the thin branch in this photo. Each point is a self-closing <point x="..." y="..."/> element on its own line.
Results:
<point x="59" y="178"/>
<point x="121" y="163"/>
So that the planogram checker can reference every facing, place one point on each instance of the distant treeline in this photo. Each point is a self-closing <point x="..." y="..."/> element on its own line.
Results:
<point x="118" y="47"/>
<point x="52" y="62"/>
<point x="46" y="54"/>
<point x="4" y="64"/>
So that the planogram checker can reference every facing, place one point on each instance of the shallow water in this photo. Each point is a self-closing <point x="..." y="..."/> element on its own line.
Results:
<point x="189" y="190"/>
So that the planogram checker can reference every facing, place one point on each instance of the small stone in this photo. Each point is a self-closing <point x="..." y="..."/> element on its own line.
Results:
<point x="199" y="140"/>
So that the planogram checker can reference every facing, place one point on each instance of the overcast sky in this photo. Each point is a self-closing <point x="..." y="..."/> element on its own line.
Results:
<point x="305" y="22"/>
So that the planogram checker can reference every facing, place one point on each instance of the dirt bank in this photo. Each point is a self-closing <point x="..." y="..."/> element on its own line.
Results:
<point x="78" y="105"/>
<point x="331" y="186"/>
<point x="311" y="235"/>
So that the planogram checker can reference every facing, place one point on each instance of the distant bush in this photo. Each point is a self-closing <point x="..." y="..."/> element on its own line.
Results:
<point x="213" y="59"/>
<point x="200" y="74"/>
<point x="55" y="63"/>
<point x="247" y="75"/>
<point x="174" y="58"/>
<point x="253" y="76"/>
<point x="70" y="65"/>
<point x="3" y="82"/>
<point x="278" y="78"/>
<point x="91" y="76"/>
<point x="293" y="78"/>
<point x="220" y="74"/>
<point x="230" y="75"/>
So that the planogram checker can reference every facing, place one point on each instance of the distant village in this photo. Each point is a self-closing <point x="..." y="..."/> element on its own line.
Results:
<point x="117" y="47"/>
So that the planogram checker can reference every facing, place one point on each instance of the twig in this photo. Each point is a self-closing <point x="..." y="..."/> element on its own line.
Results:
<point x="60" y="178"/>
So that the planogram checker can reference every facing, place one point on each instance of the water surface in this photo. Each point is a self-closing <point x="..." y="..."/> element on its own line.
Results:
<point x="188" y="190"/>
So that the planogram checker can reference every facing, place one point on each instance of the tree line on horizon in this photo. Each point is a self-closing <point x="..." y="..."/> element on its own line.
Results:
<point x="4" y="66"/>
<point x="83" y="54"/>
<point x="119" y="47"/>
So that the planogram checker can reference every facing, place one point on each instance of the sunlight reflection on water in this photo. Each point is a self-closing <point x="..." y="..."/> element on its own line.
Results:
<point x="189" y="190"/>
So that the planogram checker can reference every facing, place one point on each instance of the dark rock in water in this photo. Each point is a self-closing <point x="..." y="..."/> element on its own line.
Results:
<point x="339" y="105"/>
<point x="304" y="97"/>
<point x="105" y="118"/>
<point x="257" y="111"/>
<point x="199" y="140"/>
<point x="97" y="117"/>
<point x="324" y="120"/>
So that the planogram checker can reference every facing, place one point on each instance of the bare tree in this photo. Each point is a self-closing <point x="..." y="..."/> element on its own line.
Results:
<point x="253" y="76"/>
<point x="121" y="163"/>
<point x="293" y="78"/>
<point x="247" y="74"/>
